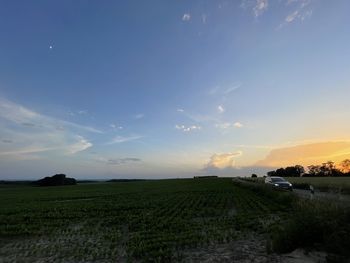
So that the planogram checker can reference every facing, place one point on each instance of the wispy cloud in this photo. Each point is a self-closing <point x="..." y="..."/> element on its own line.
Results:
<point x="186" y="17"/>
<point x="227" y="125"/>
<point x="224" y="90"/>
<point x="214" y="90"/>
<point x="121" y="139"/>
<point x="260" y="7"/>
<point x="139" y="116"/>
<point x="82" y="112"/>
<point x="115" y="126"/>
<point x="201" y="118"/>
<point x="28" y="132"/>
<point x="232" y="88"/>
<point x="301" y="10"/>
<point x="291" y="16"/>
<point x="187" y="128"/>
<point x="21" y="115"/>
<point x="77" y="144"/>
<point x="78" y="126"/>
<point x="81" y="145"/>
<point x="120" y="161"/>
<point x="204" y="18"/>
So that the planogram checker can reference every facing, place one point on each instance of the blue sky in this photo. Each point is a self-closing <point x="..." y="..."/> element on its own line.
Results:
<point x="158" y="89"/>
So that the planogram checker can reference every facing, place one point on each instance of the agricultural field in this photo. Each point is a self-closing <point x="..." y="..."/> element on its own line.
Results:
<point x="333" y="184"/>
<point x="111" y="222"/>
<point x="146" y="221"/>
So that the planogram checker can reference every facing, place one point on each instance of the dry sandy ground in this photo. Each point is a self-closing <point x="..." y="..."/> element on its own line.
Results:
<point x="249" y="250"/>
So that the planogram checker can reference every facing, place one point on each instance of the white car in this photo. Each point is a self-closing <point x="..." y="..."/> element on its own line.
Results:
<point x="278" y="182"/>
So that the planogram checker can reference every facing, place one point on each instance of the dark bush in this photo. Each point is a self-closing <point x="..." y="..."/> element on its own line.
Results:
<point x="314" y="225"/>
<point x="56" y="180"/>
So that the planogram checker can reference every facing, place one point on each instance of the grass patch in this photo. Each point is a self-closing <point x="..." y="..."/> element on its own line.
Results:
<point x="314" y="225"/>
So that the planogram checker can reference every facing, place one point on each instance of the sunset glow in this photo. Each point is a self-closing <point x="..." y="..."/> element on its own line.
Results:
<point x="176" y="89"/>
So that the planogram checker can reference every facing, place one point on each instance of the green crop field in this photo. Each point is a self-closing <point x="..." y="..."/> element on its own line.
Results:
<point x="111" y="222"/>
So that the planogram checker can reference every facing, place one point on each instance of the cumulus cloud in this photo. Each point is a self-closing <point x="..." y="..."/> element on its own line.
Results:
<point x="187" y="128"/>
<point x="224" y="160"/>
<point x="238" y="125"/>
<point x="307" y="154"/>
<point x="186" y="17"/>
<point x="221" y="109"/>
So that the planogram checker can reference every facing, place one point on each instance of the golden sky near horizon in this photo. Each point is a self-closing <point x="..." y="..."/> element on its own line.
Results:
<point x="307" y="154"/>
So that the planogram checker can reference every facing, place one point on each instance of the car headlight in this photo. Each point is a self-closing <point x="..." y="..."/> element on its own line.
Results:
<point x="290" y="185"/>
<point x="275" y="184"/>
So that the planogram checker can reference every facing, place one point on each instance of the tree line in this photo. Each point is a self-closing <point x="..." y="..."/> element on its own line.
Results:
<point x="322" y="170"/>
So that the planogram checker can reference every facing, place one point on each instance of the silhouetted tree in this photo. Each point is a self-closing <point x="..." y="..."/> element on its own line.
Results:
<point x="294" y="171"/>
<point x="299" y="169"/>
<point x="254" y="176"/>
<point x="325" y="169"/>
<point x="314" y="170"/>
<point x="271" y="173"/>
<point x="345" y="166"/>
<point x="290" y="171"/>
<point x="280" y="172"/>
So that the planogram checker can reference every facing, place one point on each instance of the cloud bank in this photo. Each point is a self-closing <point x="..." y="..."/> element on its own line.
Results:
<point x="307" y="154"/>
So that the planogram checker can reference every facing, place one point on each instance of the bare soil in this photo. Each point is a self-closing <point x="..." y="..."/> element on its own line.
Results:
<point x="251" y="249"/>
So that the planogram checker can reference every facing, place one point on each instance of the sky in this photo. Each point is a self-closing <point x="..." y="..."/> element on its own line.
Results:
<point x="169" y="89"/>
